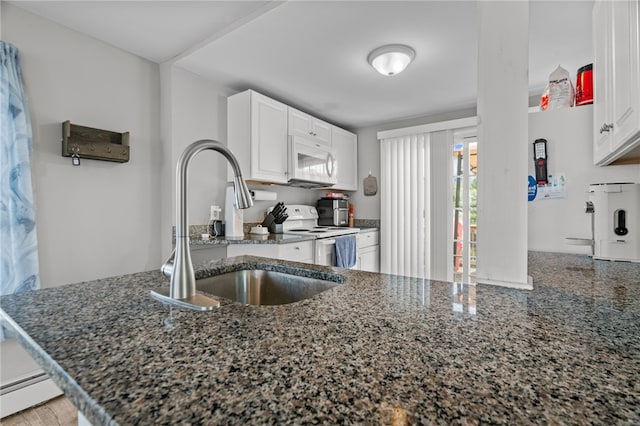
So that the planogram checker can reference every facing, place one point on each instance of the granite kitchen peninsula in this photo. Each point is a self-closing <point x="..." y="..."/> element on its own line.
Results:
<point x="374" y="349"/>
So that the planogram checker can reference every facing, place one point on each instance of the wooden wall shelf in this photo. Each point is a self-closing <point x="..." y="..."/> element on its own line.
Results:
<point x="94" y="144"/>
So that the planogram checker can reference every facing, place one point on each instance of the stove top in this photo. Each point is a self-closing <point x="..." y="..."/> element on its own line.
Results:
<point x="324" y="231"/>
<point x="303" y="220"/>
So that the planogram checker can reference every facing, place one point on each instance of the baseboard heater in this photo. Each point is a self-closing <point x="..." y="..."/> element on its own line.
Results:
<point x="24" y="382"/>
<point x="26" y="392"/>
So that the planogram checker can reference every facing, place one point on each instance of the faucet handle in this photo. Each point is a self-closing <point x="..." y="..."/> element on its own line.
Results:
<point x="167" y="267"/>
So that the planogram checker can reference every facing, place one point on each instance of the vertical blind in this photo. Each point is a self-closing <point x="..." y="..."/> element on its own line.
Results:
<point x="404" y="215"/>
<point x="416" y="229"/>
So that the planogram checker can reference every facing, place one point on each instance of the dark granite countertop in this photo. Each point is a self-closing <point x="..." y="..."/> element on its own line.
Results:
<point x="368" y="228"/>
<point x="376" y="349"/>
<point x="253" y="239"/>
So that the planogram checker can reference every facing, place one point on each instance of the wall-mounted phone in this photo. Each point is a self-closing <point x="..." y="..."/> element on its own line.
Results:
<point x="540" y="161"/>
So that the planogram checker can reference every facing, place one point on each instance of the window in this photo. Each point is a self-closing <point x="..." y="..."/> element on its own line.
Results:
<point x="465" y="168"/>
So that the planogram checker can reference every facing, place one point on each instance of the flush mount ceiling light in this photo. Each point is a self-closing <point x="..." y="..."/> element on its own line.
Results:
<point x="391" y="59"/>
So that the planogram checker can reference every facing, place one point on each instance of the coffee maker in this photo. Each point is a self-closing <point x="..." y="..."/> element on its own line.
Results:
<point x="616" y="221"/>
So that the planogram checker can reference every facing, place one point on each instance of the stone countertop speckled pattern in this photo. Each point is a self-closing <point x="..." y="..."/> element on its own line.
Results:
<point x="367" y="223"/>
<point x="253" y="239"/>
<point x="368" y="229"/>
<point x="376" y="349"/>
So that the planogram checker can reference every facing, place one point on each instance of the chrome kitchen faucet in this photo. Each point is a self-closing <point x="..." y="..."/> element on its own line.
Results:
<point x="182" y="290"/>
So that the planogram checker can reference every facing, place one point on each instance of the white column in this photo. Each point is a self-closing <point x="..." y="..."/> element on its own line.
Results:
<point x="503" y="59"/>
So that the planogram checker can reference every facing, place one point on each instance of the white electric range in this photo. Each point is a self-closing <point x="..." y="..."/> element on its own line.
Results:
<point x="303" y="220"/>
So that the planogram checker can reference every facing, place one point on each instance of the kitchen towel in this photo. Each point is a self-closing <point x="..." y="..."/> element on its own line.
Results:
<point x="19" y="261"/>
<point x="346" y="251"/>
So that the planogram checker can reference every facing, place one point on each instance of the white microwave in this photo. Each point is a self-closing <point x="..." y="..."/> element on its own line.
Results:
<point x="311" y="164"/>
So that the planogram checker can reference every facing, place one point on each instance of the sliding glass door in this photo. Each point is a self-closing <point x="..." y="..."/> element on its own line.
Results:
<point x="465" y="168"/>
<point x="428" y="200"/>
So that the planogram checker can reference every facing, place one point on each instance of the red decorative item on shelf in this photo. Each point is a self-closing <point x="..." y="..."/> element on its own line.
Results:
<point x="544" y="101"/>
<point x="584" y="85"/>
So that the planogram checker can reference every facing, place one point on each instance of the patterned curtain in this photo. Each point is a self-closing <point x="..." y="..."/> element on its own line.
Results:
<point x="19" y="263"/>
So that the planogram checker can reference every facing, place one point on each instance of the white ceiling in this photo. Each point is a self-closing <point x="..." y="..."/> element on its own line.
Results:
<point x="312" y="54"/>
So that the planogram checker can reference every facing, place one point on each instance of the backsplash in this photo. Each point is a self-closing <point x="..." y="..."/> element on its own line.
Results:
<point x="196" y="231"/>
<point x="367" y="223"/>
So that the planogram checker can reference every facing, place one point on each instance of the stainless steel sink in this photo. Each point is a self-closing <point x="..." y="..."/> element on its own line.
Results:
<point x="261" y="287"/>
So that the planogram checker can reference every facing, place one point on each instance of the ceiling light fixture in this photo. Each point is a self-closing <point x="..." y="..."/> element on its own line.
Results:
<point x="391" y="59"/>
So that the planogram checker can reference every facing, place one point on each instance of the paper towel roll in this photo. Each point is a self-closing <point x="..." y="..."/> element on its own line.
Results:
<point x="263" y="195"/>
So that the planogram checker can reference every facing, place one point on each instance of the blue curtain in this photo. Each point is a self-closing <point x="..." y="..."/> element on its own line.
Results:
<point x="19" y="266"/>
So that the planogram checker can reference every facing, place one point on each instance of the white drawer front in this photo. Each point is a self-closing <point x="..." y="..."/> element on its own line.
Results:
<point x="263" y="250"/>
<point x="297" y="252"/>
<point x="368" y="239"/>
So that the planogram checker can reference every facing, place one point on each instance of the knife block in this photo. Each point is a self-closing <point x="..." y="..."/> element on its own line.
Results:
<point x="276" y="228"/>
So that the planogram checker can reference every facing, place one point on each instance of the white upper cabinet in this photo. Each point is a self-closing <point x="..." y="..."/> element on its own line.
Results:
<point x="626" y="73"/>
<point x="258" y="128"/>
<point x="257" y="135"/>
<point x="601" y="80"/>
<point x="305" y="125"/>
<point x="616" y="82"/>
<point x="345" y="144"/>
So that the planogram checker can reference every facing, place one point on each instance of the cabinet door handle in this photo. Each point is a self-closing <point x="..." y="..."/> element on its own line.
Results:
<point x="606" y="127"/>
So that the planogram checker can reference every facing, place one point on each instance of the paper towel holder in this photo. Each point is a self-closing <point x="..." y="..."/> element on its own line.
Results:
<point x="261" y="195"/>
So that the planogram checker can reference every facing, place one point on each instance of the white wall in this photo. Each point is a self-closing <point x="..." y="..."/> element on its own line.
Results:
<point x="192" y="109"/>
<point x="569" y="135"/>
<point x="99" y="219"/>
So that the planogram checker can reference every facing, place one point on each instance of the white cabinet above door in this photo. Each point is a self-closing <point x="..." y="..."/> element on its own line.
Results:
<point x="305" y="125"/>
<point x="257" y="136"/>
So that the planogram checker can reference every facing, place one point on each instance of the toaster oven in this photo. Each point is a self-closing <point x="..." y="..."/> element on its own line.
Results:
<point x="332" y="212"/>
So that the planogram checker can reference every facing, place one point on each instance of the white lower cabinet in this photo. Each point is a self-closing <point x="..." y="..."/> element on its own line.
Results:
<point x="207" y="253"/>
<point x="295" y="252"/>
<point x="369" y="259"/>
<point x="368" y="251"/>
